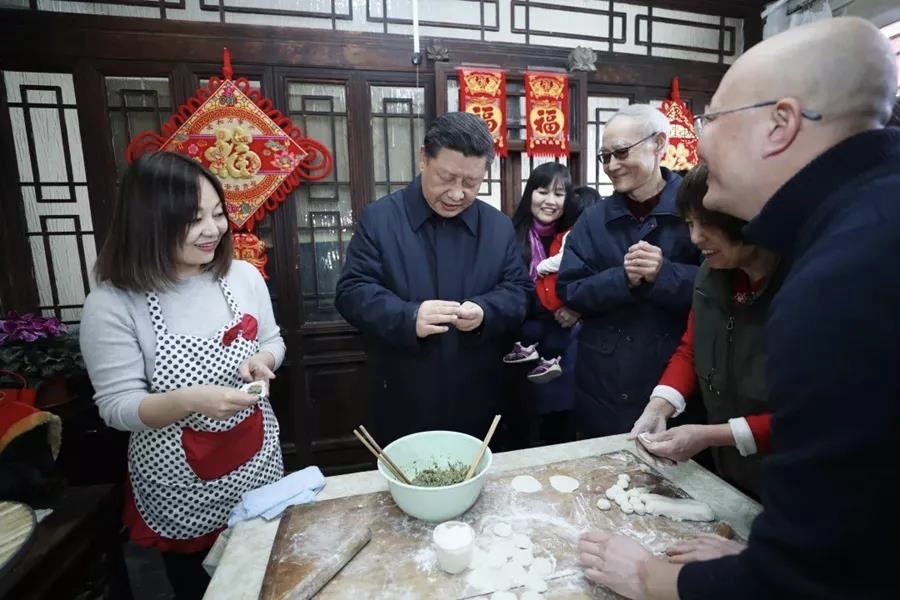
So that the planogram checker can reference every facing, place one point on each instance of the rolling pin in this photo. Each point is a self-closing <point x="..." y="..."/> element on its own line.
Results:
<point x="316" y="579"/>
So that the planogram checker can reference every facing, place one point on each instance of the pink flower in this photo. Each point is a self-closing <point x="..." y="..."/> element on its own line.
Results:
<point x="28" y="327"/>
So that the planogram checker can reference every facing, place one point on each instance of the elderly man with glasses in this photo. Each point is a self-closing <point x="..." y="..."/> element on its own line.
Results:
<point x="629" y="269"/>
<point x="796" y="145"/>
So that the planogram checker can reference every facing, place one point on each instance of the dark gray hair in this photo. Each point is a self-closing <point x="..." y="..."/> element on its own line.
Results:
<point x="460" y="131"/>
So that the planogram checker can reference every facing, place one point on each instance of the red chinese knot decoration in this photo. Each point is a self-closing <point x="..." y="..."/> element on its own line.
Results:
<point x="482" y="92"/>
<point x="254" y="150"/>
<point x="547" y="110"/>
<point x="681" y="152"/>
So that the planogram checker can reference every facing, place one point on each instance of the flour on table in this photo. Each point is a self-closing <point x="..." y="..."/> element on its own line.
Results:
<point x="522" y="556"/>
<point x="542" y="567"/>
<point x="530" y="595"/>
<point x="520" y="540"/>
<point x="498" y="554"/>
<point x="503" y="596"/>
<point x="564" y="483"/>
<point x="502" y="530"/>
<point x="526" y="484"/>
<point x="426" y="559"/>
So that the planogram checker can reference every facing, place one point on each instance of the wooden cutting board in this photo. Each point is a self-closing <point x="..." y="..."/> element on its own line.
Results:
<point x="399" y="561"/>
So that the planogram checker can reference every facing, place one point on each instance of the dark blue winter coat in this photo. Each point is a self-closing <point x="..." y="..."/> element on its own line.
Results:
<point x="832" y="344"/>
<point x="402" y="254"/>
<point x="628" y="333"/>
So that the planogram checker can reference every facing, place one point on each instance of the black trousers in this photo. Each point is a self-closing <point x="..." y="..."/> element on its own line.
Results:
<point x="186" y="574"/>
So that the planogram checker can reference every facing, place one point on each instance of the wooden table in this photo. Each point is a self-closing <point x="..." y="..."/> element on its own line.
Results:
<point x="245" y="553"/>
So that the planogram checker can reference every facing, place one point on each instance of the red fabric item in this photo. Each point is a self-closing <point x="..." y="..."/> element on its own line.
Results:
<point x="482" y="92"/>
<point x="547" y="114"/>
<point x="545" y="286"/>
<point x="679" y="373"/>
<point x="18" y="415"/>
<point x="23" y="394"/>
<point x="761" y="427"/>
<point x="248" y="327"/>
<point x="141" y="535"/>
<point x="742" y="288"/>
<point x="213" y="454"/>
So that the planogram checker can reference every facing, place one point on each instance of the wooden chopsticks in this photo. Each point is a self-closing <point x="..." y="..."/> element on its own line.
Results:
<point x="372" y="446"/>
<point x="484" y="445"/>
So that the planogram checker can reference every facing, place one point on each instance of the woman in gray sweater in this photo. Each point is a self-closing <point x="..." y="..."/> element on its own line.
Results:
<point x="169" y="335"/>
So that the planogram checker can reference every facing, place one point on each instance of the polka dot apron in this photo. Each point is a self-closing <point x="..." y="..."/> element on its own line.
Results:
<point x="188" y="476"/>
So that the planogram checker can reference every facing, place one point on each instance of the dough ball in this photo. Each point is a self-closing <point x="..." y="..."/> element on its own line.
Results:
<point x="614" y="492"/>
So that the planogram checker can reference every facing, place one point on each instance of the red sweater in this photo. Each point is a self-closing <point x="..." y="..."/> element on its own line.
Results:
<point x="680" y="375"/>
<point x="545" y="286"/>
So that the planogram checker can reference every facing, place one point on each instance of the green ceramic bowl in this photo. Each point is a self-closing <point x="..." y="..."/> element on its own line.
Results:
<point x="423" y="449"/>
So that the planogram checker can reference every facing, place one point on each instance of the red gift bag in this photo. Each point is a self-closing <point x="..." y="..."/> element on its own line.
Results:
<point x="23" y="394"/>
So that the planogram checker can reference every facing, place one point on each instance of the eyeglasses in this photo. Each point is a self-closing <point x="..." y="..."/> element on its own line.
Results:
<point x="700" y="121"/>
<point x="622" y="153"/>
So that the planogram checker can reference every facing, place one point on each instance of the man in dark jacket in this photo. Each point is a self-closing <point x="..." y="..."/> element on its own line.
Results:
<point x="628" y="268"/>
<point x="434" y="280"/>
<point x="795" y="142"/>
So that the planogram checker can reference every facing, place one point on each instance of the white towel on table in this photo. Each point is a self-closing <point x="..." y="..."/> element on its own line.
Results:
<point x="270" y="500"/>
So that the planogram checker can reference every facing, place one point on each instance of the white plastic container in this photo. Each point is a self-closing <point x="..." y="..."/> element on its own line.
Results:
<point x="454" y="542"/>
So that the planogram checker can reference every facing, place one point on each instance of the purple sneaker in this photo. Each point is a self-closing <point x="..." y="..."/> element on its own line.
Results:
<point x="521" y="354"/>
<point x="545" y="371"/>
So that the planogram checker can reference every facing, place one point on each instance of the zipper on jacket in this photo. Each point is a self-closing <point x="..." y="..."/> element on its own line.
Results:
<point x="729" y="346"/>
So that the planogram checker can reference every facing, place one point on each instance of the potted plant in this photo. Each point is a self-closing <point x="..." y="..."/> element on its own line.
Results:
<point x="41" y="350"/>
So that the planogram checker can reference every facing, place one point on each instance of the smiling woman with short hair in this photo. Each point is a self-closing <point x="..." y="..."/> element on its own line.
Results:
<point x="172" y="330"/>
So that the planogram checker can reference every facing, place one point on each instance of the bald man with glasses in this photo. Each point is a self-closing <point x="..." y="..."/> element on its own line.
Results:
<point x="817" y="175"/>
<point x="629" y="269"/>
